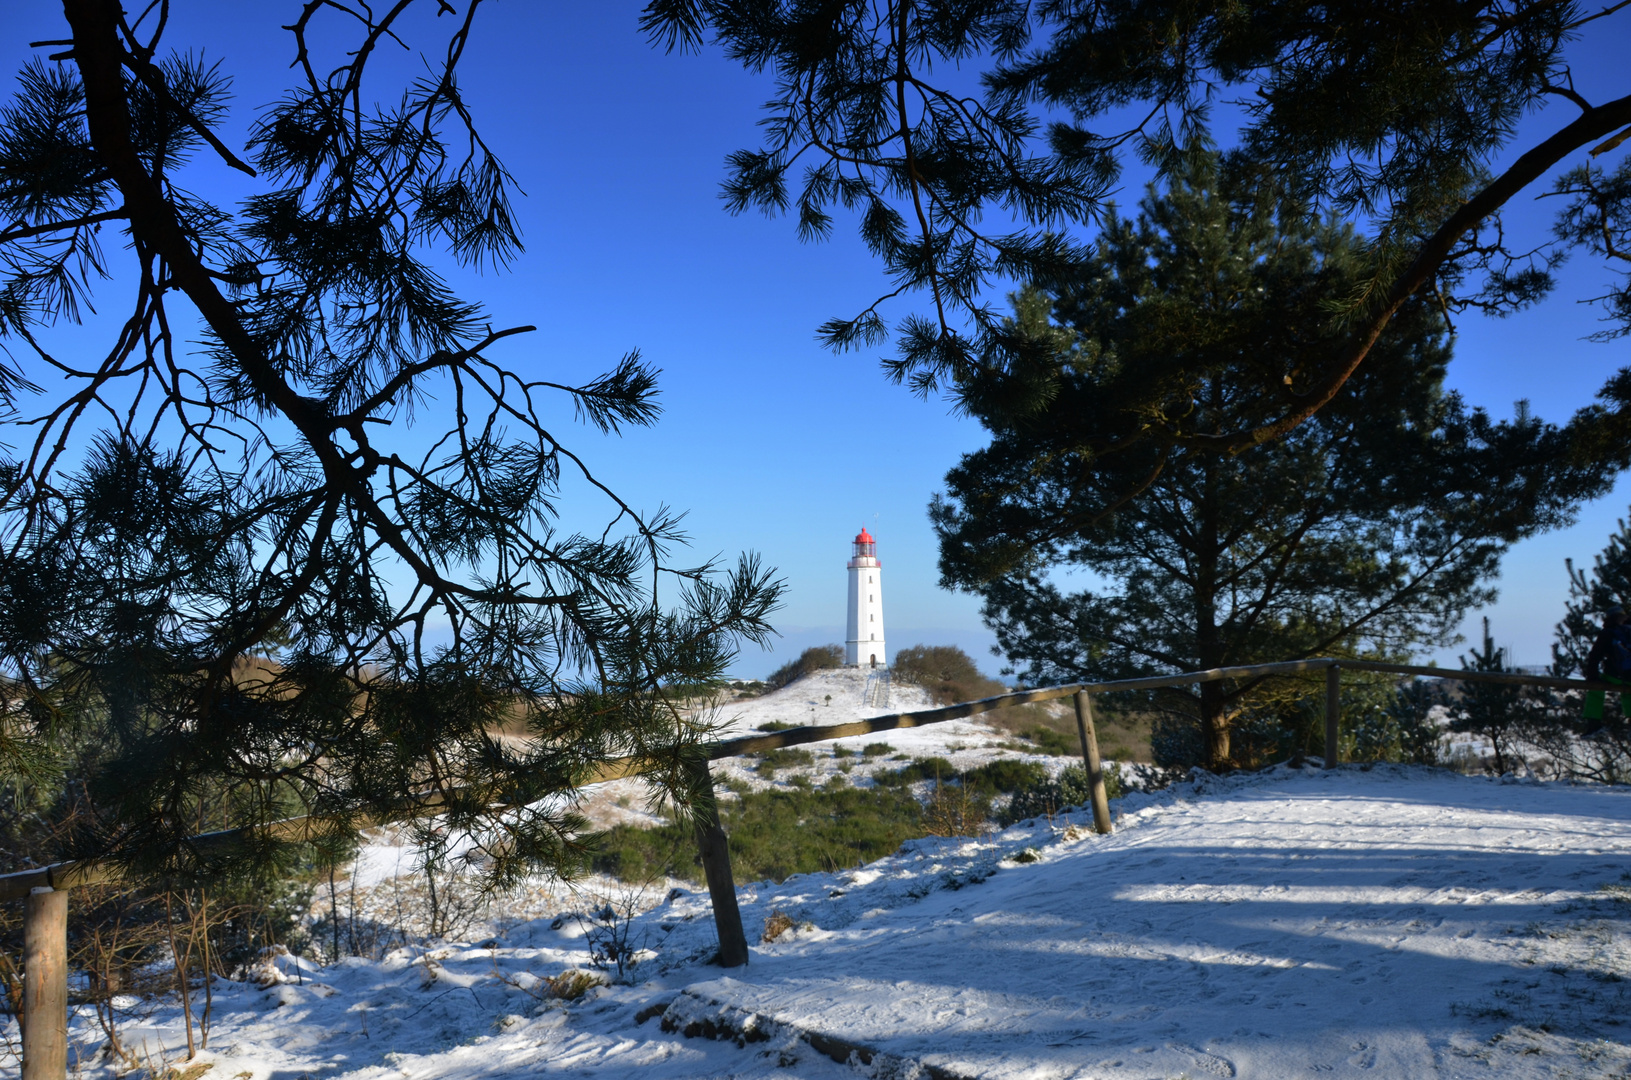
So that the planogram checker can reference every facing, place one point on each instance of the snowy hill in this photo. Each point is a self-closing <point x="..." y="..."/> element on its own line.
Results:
<point x="832" y="696"/>
<point x="1391" y="922"/>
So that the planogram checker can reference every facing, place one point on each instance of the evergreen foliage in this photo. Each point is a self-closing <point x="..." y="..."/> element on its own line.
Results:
<point x="348" y="478"/>
<point x="1494" y="711"/>
<point x="815" y="658"/>
<point x="1591" y="594"/>
<point x="1069" y="790"/>
<point x="774" y="835"/>
<point x="1390" y="116"/>
<point x="1592" y="749"/>
<point x="1368" y="530"/>
<point x="945" y="671"/>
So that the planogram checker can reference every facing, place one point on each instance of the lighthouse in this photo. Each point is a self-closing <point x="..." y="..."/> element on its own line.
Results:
<point x="863" y="647"/>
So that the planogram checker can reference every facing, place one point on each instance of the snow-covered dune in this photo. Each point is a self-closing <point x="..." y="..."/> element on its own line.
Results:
<point x="1392" y="922"/>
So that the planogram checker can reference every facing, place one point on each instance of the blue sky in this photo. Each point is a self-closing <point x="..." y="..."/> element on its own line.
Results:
<point x="771" y="443"/>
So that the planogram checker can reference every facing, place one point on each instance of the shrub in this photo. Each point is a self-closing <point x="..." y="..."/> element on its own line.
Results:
<point x="876" y="749"/>
<point x="1006" y="775"/>
<point x="1402" y="730"/>
<point x="1069" y="789"/>
<point x="776" y="725"/>
<point x="934" y="768"/>
<point x="956" y="810"/>
<point x="786" y="757"/>
<point x="945" y="671"/>
<point x="817" y="658"/>
<point x="773" y="834"/>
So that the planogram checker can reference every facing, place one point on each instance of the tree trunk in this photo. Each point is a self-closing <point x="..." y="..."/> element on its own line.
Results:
<point x="1215" y="726"/>
<point x="1209" y="648"/>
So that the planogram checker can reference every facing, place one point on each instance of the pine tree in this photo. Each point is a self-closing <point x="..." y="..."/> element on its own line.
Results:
<point x="1496" y="712"/>
<point x="1387" y="115"/>
<point x="313" y="562"/>
<point x="1592" y="593"/>
<point x="1368" y="531"/>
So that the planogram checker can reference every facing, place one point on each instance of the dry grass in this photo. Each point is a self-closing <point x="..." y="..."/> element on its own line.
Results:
<point x="573" y="983"/>
<point x="1122" y="736"/>
<point x="955" y="811"/>
<point x="777" y="923"/>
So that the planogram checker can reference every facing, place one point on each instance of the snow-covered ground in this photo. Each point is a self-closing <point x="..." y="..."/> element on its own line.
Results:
<point x="1389" y="922"/>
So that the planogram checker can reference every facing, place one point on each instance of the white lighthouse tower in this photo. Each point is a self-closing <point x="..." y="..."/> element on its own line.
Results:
<point x="864" y="643"/>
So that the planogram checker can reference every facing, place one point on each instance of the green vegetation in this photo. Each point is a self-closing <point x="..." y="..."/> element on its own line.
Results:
<point x="1047" y="740"/>
<point x="945" y="671"/>
<point x="934" y="768"/>
<point x="1005" y="774"/>
<point x="1047" y="797"/>
<point x="1402" y="118"/>
<point x="773" y="834"/>
<point x="786" y="757"/>
<point x="818" y="658"/>
<point x="876" y="749"/>
<point x="1379" y="522"/>
<point x="208" y="576"/>
<point x="775" y="725"/>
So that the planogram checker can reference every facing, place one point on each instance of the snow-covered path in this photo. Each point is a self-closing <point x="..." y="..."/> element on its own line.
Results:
<point x="1396" y="922"/>
<point x="1346" y="924"/>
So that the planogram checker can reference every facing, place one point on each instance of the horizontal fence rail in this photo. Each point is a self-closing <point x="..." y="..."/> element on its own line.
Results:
<point x="67" y="875"/>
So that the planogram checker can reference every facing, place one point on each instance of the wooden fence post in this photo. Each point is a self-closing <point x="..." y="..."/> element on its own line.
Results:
<point x="1090" y="757"/>
<point x="45" y="984"/>
<point x="1333" y="713"/>
<point x="714" y="847"/>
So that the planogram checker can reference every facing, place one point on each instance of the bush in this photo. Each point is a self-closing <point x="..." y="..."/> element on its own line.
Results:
<point x="934" y="768"/>
<point x="773" y="834"/>
<point x="818" y="658"/>
<point x="1006" y="775"/>
<point x="1070" y="789"/>
<point x="776" y="725"/>
<point x="945" y="671"/>
<point x="1401" y="731"/>
<point x="784" y="758"/>
<point x="876" y="749"/>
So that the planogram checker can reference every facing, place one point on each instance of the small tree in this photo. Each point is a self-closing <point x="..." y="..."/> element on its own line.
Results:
<point x="1591" y="594"/>
<point x="1493" y="711"/>
<point x="1596" y="750"/>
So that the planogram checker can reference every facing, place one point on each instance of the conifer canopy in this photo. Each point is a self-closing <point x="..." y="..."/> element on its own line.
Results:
<point x="292" y="542"/>
<point x="1368" y="530"/>
<point x="1416" y="121"/>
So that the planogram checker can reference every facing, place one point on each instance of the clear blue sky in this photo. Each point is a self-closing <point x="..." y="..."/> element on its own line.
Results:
<point x="770" y="442"/>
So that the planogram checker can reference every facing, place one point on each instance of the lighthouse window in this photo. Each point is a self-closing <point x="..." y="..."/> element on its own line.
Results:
<point x="869" y="598"/>
<point x="871" y="618"/>
<point x="869" y="579"/>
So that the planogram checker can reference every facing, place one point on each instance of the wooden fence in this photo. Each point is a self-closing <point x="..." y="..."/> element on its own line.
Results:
<point x="44" y="890"/>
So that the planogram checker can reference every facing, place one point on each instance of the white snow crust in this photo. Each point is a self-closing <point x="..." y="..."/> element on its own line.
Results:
<point x="1383" y="922"/>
